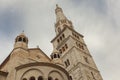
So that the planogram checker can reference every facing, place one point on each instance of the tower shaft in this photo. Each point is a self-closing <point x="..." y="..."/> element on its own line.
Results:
<point x="73" y="50"/>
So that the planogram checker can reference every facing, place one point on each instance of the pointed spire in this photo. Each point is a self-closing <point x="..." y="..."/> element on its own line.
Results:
<point x="61" y="20"/>
<point x="59" y="13"/>
<point x="56" y="5"/>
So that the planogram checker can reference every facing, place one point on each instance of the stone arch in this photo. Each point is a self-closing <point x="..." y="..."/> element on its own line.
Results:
<point x="24" y="79"/>
<point x="36" y="73"/>
<point x="20" y="39"/>
<point x="40" y="78"/>
<point x="24" y="40"/>
<point x="32" y="78"/>
<point x="56" y="75"/>
<point x="50" y="78"/>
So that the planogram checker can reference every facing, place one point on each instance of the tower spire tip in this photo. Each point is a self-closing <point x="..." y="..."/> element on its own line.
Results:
<point x="23" y="31"/>
<point x="56" y="5"/>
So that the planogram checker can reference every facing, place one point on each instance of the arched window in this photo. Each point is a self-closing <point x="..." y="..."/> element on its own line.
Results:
<point x="55" y="56"/>
<point x="66" y="46"/>
<point x="60" y="51"/>
<point x="32" y="78"/>
<point x="92" y="75"/>
<point x="75" y="35"/>
<point x="56" y="78"/>
<point x="78" y="37"/>
<point x="82" y="47"/>
<point x="86" y="59"/>
<point x="68" y="62"/>
<point x="63" y="35"/>
<point x="24" y="40"/>
<point x="50" y="78"/>
<point x="63" y="49"/>
<point x="24" y="79"/>
<point x="79" y="46"/>
<point x="60" y="38"/>
<point x="59" y="30"/>
<point x="40" y="78"/>
<point x="70" y="77"/>
<point x="19" y="39"/>
<point x="58" y="55"/>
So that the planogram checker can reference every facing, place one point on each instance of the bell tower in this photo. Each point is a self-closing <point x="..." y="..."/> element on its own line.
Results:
<point x="73" y="51"/>
<point x="21" y="41"/>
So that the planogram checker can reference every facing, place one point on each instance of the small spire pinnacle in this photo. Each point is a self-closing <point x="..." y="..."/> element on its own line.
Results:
<point x="57" y="6"/>
<point x="23" y="31"/>
<point x="37" y="46"/>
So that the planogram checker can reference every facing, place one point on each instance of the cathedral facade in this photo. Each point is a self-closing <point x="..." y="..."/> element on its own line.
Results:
<point x="70" y="59"/>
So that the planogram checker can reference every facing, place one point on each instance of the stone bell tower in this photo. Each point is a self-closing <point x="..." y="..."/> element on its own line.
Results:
<point x="73" y="51"/>
<point x="21" y="41"/>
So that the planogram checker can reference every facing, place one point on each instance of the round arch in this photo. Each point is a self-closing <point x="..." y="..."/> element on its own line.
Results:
<point x="30" y="70"/>
<point x="59" y="76"/>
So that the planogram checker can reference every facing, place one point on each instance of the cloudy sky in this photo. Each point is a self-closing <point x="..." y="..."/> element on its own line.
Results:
<point x="97" y="20"/>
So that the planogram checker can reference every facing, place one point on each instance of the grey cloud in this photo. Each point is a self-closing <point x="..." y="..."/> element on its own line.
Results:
<point x="11" y="20"/>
